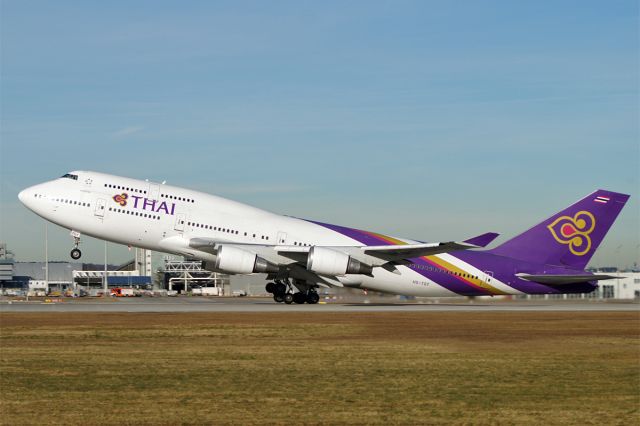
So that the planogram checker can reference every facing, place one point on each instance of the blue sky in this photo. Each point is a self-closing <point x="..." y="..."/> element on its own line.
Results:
<point x="434" y="120"/>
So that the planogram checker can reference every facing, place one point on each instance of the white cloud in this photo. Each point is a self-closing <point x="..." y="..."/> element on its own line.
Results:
<point x="127" y="131"/>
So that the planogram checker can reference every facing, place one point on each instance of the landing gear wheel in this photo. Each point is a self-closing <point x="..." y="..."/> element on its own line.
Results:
<point x="288" y="298"/>
<point x="278" y="298"/>
<point x="299" y="298"/>
<point x="271" y="287"/>
<point x="312" y="298"/>
<point x="280" y="288"/>
<point x="75" y="254"/>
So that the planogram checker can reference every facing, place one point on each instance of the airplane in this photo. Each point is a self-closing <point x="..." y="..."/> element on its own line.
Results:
<point x="299" y="256"/>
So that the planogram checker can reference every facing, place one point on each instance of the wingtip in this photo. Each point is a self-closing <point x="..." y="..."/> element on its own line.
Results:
<point x="482" y="240"/>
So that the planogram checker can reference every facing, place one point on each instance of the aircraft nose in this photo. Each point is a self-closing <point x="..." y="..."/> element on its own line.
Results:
<point x="24" y="195"/>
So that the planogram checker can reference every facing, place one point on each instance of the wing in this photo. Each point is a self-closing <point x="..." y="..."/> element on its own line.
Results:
<point x="294" y="261"/>
<point x="410" y="251"/>
<point x="374" y="255"/>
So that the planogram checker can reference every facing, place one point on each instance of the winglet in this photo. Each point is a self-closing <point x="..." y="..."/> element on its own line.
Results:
<point x="482" y="240"/>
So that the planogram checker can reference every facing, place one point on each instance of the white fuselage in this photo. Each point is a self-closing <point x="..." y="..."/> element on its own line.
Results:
<point x="165" y="218"/>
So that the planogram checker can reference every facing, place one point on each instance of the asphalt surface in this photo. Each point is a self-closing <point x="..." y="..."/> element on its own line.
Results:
<point x="246" y="304"/>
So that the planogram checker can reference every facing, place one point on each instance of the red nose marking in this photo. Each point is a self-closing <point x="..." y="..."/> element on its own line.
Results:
<point x="568" y="230"/>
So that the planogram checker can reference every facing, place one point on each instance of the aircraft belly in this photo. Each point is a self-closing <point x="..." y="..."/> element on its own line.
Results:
<point x="408" y="283"/>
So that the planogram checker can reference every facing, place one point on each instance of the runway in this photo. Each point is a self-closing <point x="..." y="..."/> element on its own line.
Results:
<point x="245" y="304"/>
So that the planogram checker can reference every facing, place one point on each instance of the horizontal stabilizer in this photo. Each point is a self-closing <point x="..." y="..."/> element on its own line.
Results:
<point x="564" y="279"/>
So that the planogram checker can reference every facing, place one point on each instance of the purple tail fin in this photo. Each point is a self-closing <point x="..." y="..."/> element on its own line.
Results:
<point x="570" y="237"/>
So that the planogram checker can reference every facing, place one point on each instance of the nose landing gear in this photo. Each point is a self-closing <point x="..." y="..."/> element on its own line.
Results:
<point x="75" y="253"/>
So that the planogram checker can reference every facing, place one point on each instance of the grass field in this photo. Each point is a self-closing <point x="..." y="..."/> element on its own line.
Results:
<point x="375" y="368"/>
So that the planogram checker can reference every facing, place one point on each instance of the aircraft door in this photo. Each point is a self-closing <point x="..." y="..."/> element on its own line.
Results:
<point x="154" y="191"/>
<point x="100" y="207"/>
<point x="282" y="238"/>
<point x="180" y="220"/>
<point x="488" y="275"/>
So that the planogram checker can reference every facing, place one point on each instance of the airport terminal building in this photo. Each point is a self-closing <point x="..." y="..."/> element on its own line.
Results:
<point x="147" y="271"/>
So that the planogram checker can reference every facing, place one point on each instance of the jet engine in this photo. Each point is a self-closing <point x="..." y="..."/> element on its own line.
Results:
<point x="327" y="261"/>
<point x="235" y="260"/>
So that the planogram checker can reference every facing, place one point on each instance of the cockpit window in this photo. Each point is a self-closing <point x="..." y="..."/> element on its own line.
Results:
<point x="69" y="176"/>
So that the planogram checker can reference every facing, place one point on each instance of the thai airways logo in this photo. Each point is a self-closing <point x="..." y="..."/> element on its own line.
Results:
<point x="121" y="199"/>
<point x="142" y="203"/>
<point x="574" y="231"/>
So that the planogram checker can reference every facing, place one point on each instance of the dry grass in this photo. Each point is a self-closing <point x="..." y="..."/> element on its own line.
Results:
<point x="376" y="368"/>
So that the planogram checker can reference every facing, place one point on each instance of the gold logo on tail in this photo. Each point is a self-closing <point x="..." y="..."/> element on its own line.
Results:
<point x="574" y="231"/>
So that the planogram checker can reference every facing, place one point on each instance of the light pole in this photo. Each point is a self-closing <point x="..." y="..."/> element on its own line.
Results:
<point x="104" y="283"/>
<point x="46" y="256"/>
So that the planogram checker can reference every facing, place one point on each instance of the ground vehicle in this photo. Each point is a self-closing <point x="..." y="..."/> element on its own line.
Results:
<point x="122" y="292"/>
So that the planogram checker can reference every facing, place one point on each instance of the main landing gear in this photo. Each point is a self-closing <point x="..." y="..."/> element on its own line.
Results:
<point x="285" y="293"/>
<point x="75" y="253"/>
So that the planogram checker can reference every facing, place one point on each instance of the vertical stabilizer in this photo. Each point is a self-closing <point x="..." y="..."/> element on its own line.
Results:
<point x="570" y="237"/>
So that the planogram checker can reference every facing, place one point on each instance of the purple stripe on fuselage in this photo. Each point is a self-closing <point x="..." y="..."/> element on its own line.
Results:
<point x="362" y="237"/>
<point x="448" y="281"/>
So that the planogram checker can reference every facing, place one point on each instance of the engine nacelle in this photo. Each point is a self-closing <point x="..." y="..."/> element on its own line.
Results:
<point x="235" y="260"/>
<point x="327" y="261"/>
